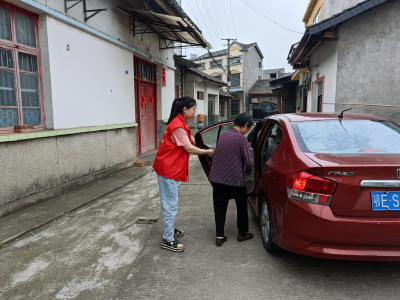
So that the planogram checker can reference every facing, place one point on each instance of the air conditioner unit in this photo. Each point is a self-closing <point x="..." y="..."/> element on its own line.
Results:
<point x="303" y="80"/>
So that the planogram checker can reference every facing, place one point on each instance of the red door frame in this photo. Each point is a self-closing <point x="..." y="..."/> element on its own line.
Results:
<point x="137" y="82"/>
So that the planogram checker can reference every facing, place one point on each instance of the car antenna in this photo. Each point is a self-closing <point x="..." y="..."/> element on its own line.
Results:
<point x="341" y="117"/>
<point x="341" y="114"/>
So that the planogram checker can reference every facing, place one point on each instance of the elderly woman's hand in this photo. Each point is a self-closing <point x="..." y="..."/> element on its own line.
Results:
<point x="211" y="153"/>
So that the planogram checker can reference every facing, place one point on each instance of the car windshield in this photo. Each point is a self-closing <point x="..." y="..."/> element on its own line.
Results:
<point x="348" y="137"/>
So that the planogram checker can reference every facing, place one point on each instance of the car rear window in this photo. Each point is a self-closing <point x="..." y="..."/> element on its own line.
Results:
<point x="348" y="137"/>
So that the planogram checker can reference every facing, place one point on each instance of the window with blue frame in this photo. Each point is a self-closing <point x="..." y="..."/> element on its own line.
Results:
<point x="20" y="94"/>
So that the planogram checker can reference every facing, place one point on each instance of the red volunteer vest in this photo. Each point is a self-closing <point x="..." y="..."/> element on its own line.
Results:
<point x="172" y="161"/>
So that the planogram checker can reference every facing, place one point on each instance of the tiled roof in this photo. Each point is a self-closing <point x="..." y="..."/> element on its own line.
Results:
<point x="272" y="70"/>
<point x="214" y="53"/>
<point x="224" y="51"/>
<point x="246" y="46"/>
<point x="261" y="87"/>
<point x="205" y="76"/>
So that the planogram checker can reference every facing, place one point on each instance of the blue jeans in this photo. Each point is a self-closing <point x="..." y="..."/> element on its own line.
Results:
<point x="169" y="197"/>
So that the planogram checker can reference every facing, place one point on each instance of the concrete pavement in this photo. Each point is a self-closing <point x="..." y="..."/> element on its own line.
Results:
<point x="243" y="270"/>
<point x="99" y="252"/>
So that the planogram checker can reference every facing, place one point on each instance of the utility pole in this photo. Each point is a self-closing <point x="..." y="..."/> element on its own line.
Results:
<point x="229" y="75"/>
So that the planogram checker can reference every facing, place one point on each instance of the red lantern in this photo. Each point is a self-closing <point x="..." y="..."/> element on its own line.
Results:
<point x="142" y="99"/>
<point x="163" y="75"/>
<point x="151" y="99"/>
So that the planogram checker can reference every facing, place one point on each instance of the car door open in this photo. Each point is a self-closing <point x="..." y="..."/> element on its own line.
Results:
<point x="208" y="138"/>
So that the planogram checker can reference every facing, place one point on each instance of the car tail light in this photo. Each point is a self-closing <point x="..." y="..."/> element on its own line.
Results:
<point x="309" y="188"/>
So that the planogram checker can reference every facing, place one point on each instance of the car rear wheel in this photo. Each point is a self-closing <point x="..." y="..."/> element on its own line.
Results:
<point x="266" y="226"/>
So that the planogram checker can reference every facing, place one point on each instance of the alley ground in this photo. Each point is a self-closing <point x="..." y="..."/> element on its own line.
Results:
<point x="99" y="252"/>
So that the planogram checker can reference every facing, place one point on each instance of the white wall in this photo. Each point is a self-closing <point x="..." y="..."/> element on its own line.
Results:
<point x="326" y="59"/>
<point x="194" y="84"/>
<point x="168" y="93"/>
<point x="200" y="107"/>
<point x="89" y="84"/>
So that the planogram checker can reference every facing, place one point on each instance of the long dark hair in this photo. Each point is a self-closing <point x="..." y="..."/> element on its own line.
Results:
<point x="179" y="104"/>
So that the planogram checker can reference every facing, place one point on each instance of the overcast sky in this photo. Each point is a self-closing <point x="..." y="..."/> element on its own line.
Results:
<point x="248" y="26"/>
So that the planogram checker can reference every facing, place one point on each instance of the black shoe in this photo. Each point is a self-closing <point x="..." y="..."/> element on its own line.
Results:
<point x="242" y="238"/>
<point x="219" y="242"/>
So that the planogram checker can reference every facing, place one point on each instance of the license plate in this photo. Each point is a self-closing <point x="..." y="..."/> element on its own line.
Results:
<point x="385" y="201"/>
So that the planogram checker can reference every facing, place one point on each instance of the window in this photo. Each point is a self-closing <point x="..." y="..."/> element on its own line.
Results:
<point x="216" y="63"/>
<point x="200" y="95"/>
<point x="259" y="64"/>
<point x="272" y="75"/>
<point x="219" y="77"/>
<point x="235" y="107"/>
<point x="259" y="77"/>
<point x="222" y="109"/>
<point x="348" y="137"/>
<point x="210" y="137"/>
<point x="144" y="70"/>
<point x="20" y="91"/>
<point x="271" y="142"/>
<point x="235" y="60"/>
<point x="317" y="18"/>
<point x="235" y="80"/>
<point x="202" y="66"/>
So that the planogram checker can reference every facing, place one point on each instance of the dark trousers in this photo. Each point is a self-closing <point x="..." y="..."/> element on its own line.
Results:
<point x="221" y="194"/>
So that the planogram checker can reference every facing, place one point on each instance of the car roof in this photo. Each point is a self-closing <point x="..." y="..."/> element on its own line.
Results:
<point x="301" y="117"/>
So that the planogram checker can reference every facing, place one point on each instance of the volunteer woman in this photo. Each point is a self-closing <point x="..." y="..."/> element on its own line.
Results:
<point x="172" y="165"/>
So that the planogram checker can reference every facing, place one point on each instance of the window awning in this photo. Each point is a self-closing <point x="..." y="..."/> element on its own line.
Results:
<point x="169" y="28"/>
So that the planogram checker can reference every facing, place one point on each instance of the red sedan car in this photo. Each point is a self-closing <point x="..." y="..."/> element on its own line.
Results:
<point x="323" y="185"/>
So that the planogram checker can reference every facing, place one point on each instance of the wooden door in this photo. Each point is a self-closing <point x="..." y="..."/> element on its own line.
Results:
<point x="147" y="116"/>
<point x="305" y="100"/>
<point x="211" y="113"/>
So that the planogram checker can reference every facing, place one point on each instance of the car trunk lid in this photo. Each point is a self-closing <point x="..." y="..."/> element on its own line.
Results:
<point x="352" y="199"/>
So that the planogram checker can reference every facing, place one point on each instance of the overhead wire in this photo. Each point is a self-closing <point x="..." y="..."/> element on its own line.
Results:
<point x="226" y="19"/>
<point x="214" y="10"/>
<point x="205" y="23"/>
<point x="233" y="19"/>
<point x="188" y="2"/>
<point x="268" y="18"/>
<point x="211" y="20"/>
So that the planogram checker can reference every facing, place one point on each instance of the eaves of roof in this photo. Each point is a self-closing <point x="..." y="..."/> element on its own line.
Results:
<point x="224" y="52"/>
<point x="286" y="78"/>
<point x="185" y="62"/>
<point x="247" y="47"/>
<point x="213" y="54"/>
<point x="261" y="93"/>
<point x="206" y="76"/>
<point x="312" y="36"/>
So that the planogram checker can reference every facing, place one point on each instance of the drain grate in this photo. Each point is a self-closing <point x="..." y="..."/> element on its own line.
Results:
<point x="146" y="221"/>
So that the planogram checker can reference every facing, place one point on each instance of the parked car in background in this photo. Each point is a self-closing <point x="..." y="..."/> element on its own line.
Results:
<point x="323" y="186"/>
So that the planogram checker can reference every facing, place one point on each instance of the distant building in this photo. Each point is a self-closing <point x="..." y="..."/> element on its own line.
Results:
<point x="261" y="92"/>
<point x="273" y="73"/>
<point x="246" y="68"/>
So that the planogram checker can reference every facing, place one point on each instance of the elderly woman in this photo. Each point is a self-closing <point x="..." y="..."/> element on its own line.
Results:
<point x="232" y="159"/>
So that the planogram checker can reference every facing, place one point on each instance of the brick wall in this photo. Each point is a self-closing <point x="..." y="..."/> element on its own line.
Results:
<point x="178" y="80"/>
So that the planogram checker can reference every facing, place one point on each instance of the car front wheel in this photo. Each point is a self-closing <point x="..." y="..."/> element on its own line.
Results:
<point x="267" y="227"/>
